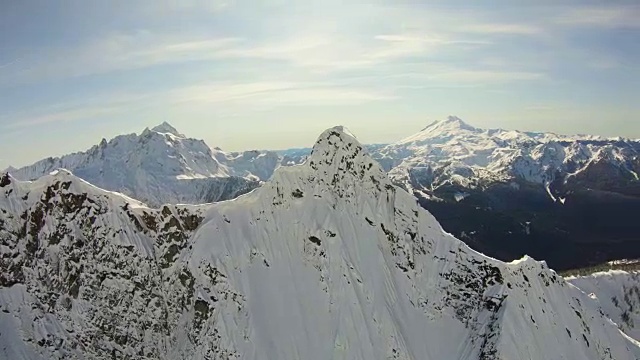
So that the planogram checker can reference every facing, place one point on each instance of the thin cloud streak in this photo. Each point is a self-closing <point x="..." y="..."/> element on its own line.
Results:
<point x="248" y="96"/>
<point x="602" y="16"/>
<point x="275" y="93"/>
<point x="503" y="29"/>
<point x="487" y="76"/>
<point x="116" y="52"/>
<point x="320" y="53"/>
<point x="61" y="116"/>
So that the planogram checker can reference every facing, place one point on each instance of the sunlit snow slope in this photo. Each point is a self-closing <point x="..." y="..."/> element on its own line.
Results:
<point x="618" y="292"/>
<point x="327" y="260"/>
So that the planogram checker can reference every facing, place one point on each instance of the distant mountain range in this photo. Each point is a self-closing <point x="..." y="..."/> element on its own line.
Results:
<point x="570" y="200"/>
<point x="325" y="260"/>
<point x="452" y="152"/>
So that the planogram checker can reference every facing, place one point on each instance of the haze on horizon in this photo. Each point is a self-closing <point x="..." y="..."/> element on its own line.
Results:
<point x="274" y="74"/>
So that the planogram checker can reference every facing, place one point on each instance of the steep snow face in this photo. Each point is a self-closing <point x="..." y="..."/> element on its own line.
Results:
<point x="618" y="293"/>
<point x="327" y="260"/>
<point x="453" y="152"/>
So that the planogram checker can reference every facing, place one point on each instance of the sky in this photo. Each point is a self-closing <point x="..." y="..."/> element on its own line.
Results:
<point x="272" y="74"/>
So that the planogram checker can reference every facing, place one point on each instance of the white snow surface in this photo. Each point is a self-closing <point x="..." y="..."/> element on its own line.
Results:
<point x="618" y="293"/>
<point x="327" y="260"/>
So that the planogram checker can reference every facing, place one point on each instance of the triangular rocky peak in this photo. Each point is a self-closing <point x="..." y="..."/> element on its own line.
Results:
<point x="340" y="160"/>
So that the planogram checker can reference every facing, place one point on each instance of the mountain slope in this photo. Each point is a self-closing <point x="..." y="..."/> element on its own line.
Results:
<point x="326" y="260"/>
<point x="87" y="273"/>
<point x="618" y="293"/>
<point x="162" y="166"/>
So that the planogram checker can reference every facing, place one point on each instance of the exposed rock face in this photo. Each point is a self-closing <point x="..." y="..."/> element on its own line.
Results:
<point x="326" y="260"/>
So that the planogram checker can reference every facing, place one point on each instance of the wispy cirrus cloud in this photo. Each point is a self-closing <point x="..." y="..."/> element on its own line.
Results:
<point x="83" y="113"/>
<point x="223" y="95"/>
<point x="503" y="29"/>
<point x="319" y="53"/>
<point x="607" y="16"/>
<point x="275" y="93"/>
<point x="334" y="52"/>
<point x="80" y="110"/>
<point x="114" y="52"/>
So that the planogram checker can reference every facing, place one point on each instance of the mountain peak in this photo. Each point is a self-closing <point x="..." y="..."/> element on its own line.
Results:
<point x="441" y="129"/>
<point x="452" y="123"/>
<point x="165" y="127"/>
<point x="453" y="119"/>
<point x="333" y="141"/>
<point x="342" y="161"/>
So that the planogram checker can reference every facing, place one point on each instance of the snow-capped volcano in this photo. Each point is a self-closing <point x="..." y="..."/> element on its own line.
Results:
<point x="327" y="260"/>
<point x="453" y="152"/>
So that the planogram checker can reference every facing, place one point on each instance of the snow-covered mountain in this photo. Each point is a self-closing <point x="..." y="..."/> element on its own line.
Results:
<point x="618" y="293"/>
<point x="453" y="152"/>
<point x="162" y="166"/>
<point x="569" y="200"/>
<point x="326" y="260"/>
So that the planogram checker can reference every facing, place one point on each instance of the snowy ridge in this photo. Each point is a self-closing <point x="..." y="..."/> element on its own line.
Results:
<point x="327" y="260"/>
